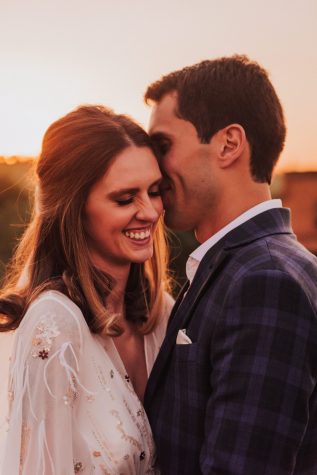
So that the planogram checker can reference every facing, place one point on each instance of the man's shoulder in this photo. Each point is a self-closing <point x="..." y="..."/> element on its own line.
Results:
<point x="284" y="253"/>
<point x="277" y="250"/>
<point x="276" y="258"/>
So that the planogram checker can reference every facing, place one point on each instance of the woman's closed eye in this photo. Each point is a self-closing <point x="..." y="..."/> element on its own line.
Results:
<point x="153" y="193"/>
<point x="124" y="202"/>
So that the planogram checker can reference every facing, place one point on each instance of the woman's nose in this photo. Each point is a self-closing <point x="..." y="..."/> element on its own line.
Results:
<point x="148" y="211"/>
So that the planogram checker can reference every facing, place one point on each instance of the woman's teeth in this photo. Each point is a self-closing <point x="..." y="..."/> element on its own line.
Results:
<point x="139" y="235"/>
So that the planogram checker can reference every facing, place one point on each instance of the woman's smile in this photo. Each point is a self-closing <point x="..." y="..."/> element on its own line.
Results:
<point x="141" y="235"/>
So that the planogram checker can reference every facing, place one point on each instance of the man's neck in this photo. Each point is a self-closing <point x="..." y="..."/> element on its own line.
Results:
<point x="228" y="208"/>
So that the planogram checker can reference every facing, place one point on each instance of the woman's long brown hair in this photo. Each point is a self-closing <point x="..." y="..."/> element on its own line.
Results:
<point x="53" y="254"/>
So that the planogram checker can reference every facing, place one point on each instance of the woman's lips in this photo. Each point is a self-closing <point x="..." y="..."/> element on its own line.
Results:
<point x="138" y="234"/>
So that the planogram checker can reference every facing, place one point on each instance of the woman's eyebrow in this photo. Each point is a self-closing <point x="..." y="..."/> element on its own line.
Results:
<point x="130" y="191"/>
<point x="156" y="182"/>
<point x="123" y="191"/>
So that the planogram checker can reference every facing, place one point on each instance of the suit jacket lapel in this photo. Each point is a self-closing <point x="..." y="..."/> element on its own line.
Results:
<point x="182" y="315"/>
<point x="206" y="273"/>
<point x="178" y="301"/>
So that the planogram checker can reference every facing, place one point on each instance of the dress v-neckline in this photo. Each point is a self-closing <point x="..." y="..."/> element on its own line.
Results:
<point x="110" y="347"/>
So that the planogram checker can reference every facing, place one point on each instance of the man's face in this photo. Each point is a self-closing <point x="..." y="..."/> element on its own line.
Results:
<point x="188" y="189"/>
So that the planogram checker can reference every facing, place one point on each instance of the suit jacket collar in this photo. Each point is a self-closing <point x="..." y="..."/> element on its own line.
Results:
<point x="268" y="223"/>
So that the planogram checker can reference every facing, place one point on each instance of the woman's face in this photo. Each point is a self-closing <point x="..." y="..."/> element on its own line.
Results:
<point x="122" y="210"/>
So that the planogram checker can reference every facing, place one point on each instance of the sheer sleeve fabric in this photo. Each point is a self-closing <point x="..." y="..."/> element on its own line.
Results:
<point x="44" y="387"/>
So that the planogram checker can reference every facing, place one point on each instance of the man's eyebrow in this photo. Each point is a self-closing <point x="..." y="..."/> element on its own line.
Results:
<point x="130" y="191"/>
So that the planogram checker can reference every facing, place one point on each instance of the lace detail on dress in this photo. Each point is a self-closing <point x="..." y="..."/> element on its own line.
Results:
<point x="47" y="330"/>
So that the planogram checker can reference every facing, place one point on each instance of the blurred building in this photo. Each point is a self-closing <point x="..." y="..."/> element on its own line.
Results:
<point x="299" y="193"/>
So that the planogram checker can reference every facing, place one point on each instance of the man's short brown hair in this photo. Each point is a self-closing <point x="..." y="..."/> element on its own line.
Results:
<point x="213" y="94"/>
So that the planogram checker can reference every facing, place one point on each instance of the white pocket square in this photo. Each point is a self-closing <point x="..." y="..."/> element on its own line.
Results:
<point x="182" y="338"/>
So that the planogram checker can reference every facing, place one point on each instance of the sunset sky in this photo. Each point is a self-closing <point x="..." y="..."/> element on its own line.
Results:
<point x="56" y="54"/>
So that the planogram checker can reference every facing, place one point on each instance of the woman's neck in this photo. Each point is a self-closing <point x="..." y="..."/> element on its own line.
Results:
<point x="115" y="300"/>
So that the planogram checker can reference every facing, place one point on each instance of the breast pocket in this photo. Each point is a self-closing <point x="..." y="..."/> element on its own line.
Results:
<point x="186" y="354"/>
<point x="191" y="375"/>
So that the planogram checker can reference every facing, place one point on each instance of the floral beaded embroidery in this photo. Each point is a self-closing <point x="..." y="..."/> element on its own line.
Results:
<point x="47" y="330"/>
<point x="43" y="354"/>
<point x="142" y="455"/>
<point x="90" y="398"/>
<point x="71" y="395"/>
<point x="78" y="467"/>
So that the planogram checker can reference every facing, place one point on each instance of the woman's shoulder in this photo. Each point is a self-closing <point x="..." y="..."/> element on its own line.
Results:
<point x="52" y="311"/>
<point x="54" y="299"/>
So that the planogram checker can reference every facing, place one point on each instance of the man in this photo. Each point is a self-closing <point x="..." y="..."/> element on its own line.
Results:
<point x="233" y="390"/>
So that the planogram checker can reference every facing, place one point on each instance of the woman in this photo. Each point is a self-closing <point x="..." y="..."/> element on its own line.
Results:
<point x="92" y="306"/>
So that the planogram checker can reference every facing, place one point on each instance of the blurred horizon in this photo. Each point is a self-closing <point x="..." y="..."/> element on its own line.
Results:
<point x="280" y="168"/>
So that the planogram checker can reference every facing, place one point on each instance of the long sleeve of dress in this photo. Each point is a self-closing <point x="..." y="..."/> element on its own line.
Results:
<point x="44" y="387"/>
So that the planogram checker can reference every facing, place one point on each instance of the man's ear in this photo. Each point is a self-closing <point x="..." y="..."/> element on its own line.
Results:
<point x="231" y="144"/>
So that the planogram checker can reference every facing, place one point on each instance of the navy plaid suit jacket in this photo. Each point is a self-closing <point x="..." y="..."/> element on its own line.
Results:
<point x="242" y="398"/>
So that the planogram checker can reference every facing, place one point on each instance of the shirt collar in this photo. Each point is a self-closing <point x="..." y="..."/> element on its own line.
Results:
<point x="197" y="255"/>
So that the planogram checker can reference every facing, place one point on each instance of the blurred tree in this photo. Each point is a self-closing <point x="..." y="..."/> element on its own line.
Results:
<point x="15" y="204"/>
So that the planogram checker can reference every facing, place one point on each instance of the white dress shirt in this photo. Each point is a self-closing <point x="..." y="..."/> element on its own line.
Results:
<point x="197" y="255"/>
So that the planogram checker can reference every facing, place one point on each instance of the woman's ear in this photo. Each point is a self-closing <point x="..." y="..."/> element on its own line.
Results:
<point x="232" y="143"/>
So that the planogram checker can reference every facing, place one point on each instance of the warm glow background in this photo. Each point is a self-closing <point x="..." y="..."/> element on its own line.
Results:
<point x="56" y="54"/>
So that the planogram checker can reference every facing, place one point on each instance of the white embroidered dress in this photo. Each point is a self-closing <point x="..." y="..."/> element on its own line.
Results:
<point x="73" y="407"/>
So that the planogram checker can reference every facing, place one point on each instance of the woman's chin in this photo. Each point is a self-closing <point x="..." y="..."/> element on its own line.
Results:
<point x="142" y="255"/>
